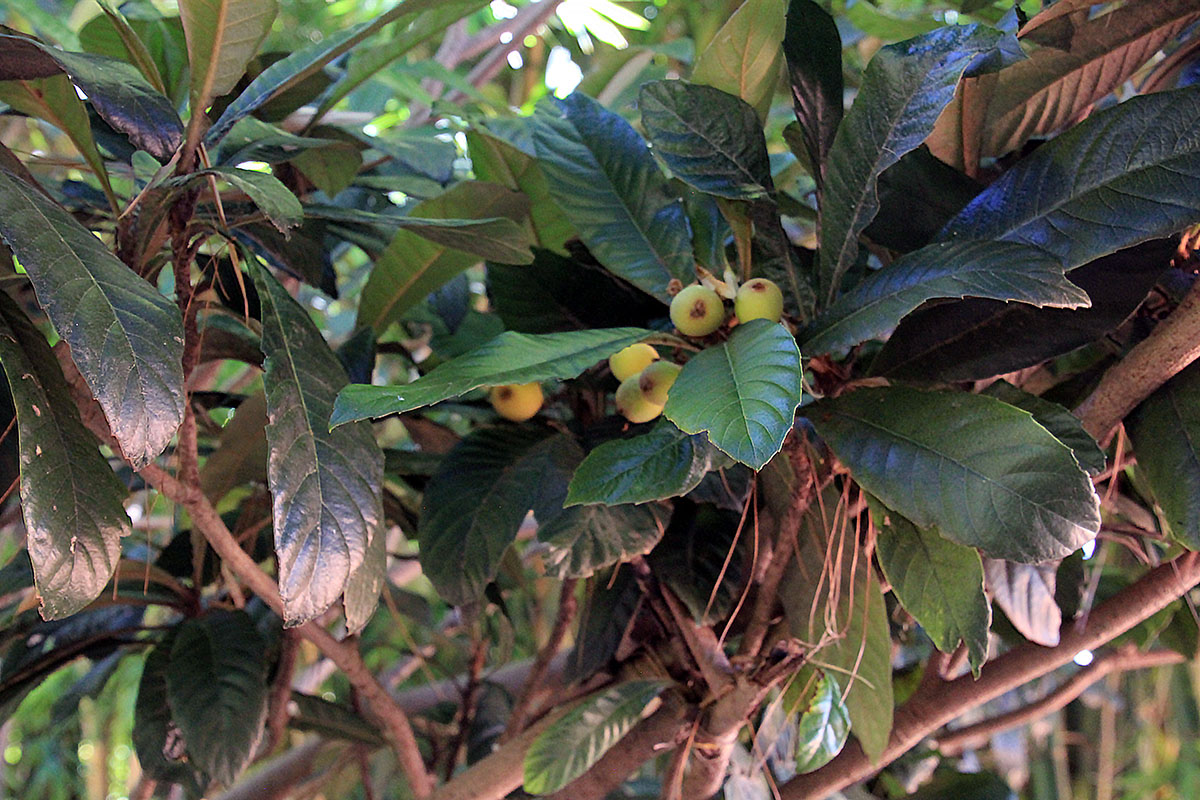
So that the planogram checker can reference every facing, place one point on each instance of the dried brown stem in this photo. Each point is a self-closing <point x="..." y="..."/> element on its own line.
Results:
<point x="567" y="606"/>
<point x="975" y="735"/>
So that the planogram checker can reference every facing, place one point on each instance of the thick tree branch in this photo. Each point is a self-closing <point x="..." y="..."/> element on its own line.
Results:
<point x="975" y="735"/>
<point x="1173" y="344"/>
<point x="929" y="710"/>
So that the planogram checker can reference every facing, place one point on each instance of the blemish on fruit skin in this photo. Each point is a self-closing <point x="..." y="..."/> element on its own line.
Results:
<point x="698" y="310"/>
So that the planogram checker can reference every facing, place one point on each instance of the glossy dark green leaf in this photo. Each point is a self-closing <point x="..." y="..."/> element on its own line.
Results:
<point x="703" y="559"/>
<point x="918" y="195"/>
<point x="332" y="720"/>
<point x="413" y="265"/>
<point x="1124" y="175"/>
<point x="155" y="734"/>
<point x="222" y="37"/>
<point x="475" y="503"/>
<point x="509" y="358"/>
<point x="217" y="690"/>
<point x="990" y="476"/>
<point x="846" y="612"/>
<point x="709" y="139"/>
<point x="293" y="69"/>
<point x="1165" y="431"/>
<point x="584" y="539"/>
<point x="608" y="185"/>
<point x="743" y="392"/>
<point x="266" y="191"/>
<point x="938" y="581"/>
<point x="974" y="339"/>
<point x="661" y="463"/>
<point x="997" y="270"/>
<point x="325" y="484"/>
<point x="571" y="745"/>
<point x="1025" y="593"/>
<point x="813" y="48"/>
<point x="70" y="498"/>
<point x="612" y="602"/>
<point x="904" y="89"/>
<point x="125" y="337"/>
<point x="823" y="726"/>
<point x="743" y="57"/>
<point x="1065" y="426"/>
<point x="251" y="139"/>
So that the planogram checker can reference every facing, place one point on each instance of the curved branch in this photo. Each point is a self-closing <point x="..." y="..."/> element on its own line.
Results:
<point x="975" y="735"/>
<point x="930" y="709"/>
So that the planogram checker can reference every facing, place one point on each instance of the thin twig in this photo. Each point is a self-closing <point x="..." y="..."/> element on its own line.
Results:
<point x="567" y="606"/>
<point x="281" y="691"/>
<point x="466" y="709"/>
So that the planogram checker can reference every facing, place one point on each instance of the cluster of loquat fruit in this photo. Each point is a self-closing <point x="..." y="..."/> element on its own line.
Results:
<point x="645" y="379"/>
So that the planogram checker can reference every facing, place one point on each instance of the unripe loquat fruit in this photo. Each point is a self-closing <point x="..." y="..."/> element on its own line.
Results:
<point x="633" y="403"/>
<point x="758" y="299"/>
<point x="697" y="310"/>
<point x="656" y="380"/>
<point x="517" y="401"/>
<point x="631" y="360"/>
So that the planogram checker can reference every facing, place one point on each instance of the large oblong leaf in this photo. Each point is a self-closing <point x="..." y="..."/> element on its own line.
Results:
<point x="153" y="727"/>
<point x="813" y="48"/>
<point x="222" y="37"/>
<point x="120" y="95"/>
<point x="474" y="504"/>
<point x="567" y="748"/>
<point x="904" y="89"/>
<point x="325" y="485"/>
<point x="608" y="185"/>
<point x="743" y="57"/>
<point x="1065" y="426"/>
<point x="273" y="198"/>
<point x="708" y="138"/>
<point x="1165" y="431"/>
<point x="217" y="690"/>
<point x="585" y="539"/>
<point x="125" y="337"/>
<point x="1125" y="175"/>
<point x="997" y="270"/>
<point x="664" y="462"/>
<point x="989" y="475"/>
<point x="509" y="358"/>
<point x="938" y="581"/>
<point x="70" y="498"/>
<point x="743" y="392"/>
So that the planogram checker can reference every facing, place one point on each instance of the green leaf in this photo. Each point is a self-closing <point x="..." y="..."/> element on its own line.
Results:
<point x="584" y="539"/>
<point x="904" y="89"/>
<point x="990" y="476"/>
<point x="997" y="270"/>
<point x="412" y="266"/>
<point x="291" y="70"/>
<point x="266" y="191"/>
<point x="251" y="139"/>
<point x="70" y="498"/>
<point x="497" y="161"/>
<point x="120" y="95"/>
<point x="847" y="612"/>
<point x="333" y="721"/>
<point x="1065" y="426"/>
<point x="813" y="48"/>
<point x="509" y="358"/>
<point x="1165" y="431"/>
<point x="217" y="690"/>
<point x="664" y="462"/>
<point x="608" y="185"/>
<point x="365" y="63"/>
<point x="870" y="20"/>
<point x="1124" y="175"/>
<point x="497" y="238"/>
<point x="743" y="57"/>
<point x="222" y="37"/>
<point x="566" y="749"/>
<point x="331" y="168"/>
<point x="153" y="724"/>
<point x="125" y="337"/>
<point x="703" y="559"/>
<point x="743" y="392"/>
<point x="709" y="139"/>
<point x="55" y="100"/>
<point x="325" y="485"/>
<point x="474" y="504"/>
<point x="135" y="48"/>
<point x="938" y="581"/>
<point x="824" y="725"/>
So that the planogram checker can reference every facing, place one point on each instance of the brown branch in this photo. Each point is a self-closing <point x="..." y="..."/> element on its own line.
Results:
<point x="466" y="709"/>
<point x="975" y="735"/>
<point x="567" y="605"/>
<point x="276" y="778"/>
<point x="928" y="711"/>
<point x="1170" y="347"/>
<point x="281" y="691"/>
